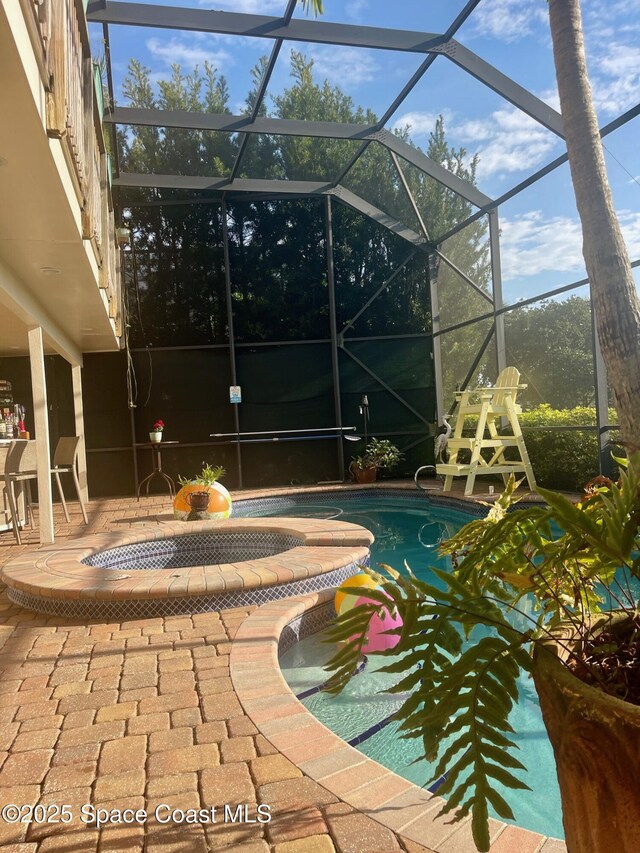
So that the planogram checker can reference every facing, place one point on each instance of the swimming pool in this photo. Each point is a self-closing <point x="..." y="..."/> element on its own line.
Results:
<point x="407" y="526"/>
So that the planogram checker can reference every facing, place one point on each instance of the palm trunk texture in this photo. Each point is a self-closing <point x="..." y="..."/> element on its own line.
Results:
<point x="616" y="303"/>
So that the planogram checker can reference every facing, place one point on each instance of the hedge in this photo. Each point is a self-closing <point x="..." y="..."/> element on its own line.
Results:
<point x="563" y="459"/>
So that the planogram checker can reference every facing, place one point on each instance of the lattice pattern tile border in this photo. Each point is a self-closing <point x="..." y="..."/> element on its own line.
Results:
<point x="308" y="623"/>
<point x="194" y="549"/>
<point x="91" y="609"/>
<point x="246" y="508"/>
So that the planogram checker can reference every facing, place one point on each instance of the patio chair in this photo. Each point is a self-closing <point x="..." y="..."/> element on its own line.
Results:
<point x="65" y="461"/>
<point x="19" y="468"/>
<point x="488" y="405"/>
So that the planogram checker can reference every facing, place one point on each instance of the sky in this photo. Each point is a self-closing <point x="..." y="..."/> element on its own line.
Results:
<point x="541" y="241"/>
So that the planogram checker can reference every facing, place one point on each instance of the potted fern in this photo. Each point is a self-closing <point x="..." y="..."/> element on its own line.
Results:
<point x="379" y="453"/>
<point x="544" y="580"/>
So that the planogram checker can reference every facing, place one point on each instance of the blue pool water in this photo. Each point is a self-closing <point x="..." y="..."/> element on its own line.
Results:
<point x="409" y="528"/>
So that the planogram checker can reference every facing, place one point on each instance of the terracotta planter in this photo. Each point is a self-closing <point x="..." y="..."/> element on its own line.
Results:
<point x="596" y="742"/>
<point x="199" y="503"/>
<point x="363" y="475"/>
<point x="155" y="437"/>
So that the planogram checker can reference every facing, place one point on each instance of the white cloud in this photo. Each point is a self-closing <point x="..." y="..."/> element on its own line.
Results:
<point x="601" y="13"/>
<point x="531" y="244"/>
<point x="616" y="78"/>
<point x="612" y="29"/>
<point x="347" y="67"/>
<point x="630" y="224"/>
<point x="507" y="20"/>
<point x="188" y="53"/>
<point x="420" y="123"/>
<point x="507" y="141"/>
<point x="611" y="33"/>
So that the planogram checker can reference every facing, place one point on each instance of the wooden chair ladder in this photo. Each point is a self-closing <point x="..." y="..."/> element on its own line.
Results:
<point x="488" y="405"/>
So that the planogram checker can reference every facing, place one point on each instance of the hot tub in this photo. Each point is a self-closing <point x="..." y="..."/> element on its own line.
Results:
<point x="175" y="567"/>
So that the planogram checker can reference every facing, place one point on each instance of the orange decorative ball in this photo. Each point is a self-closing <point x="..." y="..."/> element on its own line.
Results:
<point x="188" y="503"/>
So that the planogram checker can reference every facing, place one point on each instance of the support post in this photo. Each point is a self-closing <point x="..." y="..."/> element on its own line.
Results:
<point x="134" y="450"/>
<point x="601" y="386"/>
<point x="335" y="366"/>
<point x="409" y="194"/>
<point x="496" y="285"/>
<point x="41" y="423"/>
<point x="435" y="328"/>
<point x="232" y="343"/>
<point x="78" y="411"/>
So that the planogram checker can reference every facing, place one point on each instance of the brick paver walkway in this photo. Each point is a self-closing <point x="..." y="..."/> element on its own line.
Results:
<point x="131" y="715"/>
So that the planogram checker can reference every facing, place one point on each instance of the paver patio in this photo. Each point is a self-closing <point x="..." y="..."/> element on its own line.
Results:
<point x="134" y="714"/>
<point x="138" y="713"/>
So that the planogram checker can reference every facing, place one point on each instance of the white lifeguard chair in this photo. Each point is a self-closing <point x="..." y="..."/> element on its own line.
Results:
<point x="488" y="404"/>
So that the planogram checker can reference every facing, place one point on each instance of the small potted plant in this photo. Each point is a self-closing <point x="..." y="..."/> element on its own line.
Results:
<point x="202" y="498"/>
<point x="378" y="454"/>
<point x="155" y="436"/>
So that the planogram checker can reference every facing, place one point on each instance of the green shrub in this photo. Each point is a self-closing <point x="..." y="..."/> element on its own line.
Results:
<point x="562" y="459"/>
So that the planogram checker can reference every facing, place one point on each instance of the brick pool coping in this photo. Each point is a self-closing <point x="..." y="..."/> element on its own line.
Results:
<point x="362" y="783"/>
<point x="179" y="643"/>
<point x="56" y="573"/>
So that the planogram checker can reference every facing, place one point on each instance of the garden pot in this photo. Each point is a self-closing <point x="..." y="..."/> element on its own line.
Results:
<point x="155" y="437"/>
<point x="363" y="475"/>
<point x="596" y="742"/>
<point x="199" y="503"/>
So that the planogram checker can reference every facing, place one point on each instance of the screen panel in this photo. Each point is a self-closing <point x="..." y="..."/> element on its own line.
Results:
<point x="366" y="255"/>
<point x="550" y="342"/>
<point x="286" y="387"/>
<point x="175" y="289"/>
<point x="465" y="258"/>
<point x="458" y="351"/>
<point x="278" y="270"/>
<point x="374" y="178"/>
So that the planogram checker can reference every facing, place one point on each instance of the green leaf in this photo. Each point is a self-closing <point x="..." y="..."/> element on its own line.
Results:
<point x="500" y="805"/>
<point x="480" y="824"/>
<point x="505" y="778"/>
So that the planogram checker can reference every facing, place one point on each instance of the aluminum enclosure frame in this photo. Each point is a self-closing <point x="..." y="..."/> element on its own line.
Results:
<point x="432" y="45"/>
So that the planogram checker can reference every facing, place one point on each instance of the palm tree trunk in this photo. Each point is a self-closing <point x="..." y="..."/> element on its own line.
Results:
<point x="616" y="303"/>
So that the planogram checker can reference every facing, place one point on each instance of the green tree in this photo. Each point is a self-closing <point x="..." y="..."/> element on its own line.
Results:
<point x="179" y="298"/>
<point x="467" y="251"/>
<point x="311" y="158"/>
<point x="169" y="239"/>
<point x="550" y="344"/>
<point x="277" y="252"/>
<point x="617" y="306"/>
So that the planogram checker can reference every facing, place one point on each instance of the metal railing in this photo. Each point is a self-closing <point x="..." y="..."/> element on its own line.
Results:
<point x="60" y="41"/>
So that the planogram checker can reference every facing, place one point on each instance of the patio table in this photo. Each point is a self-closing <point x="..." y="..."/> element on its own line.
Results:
<point x="156" y="461"/>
